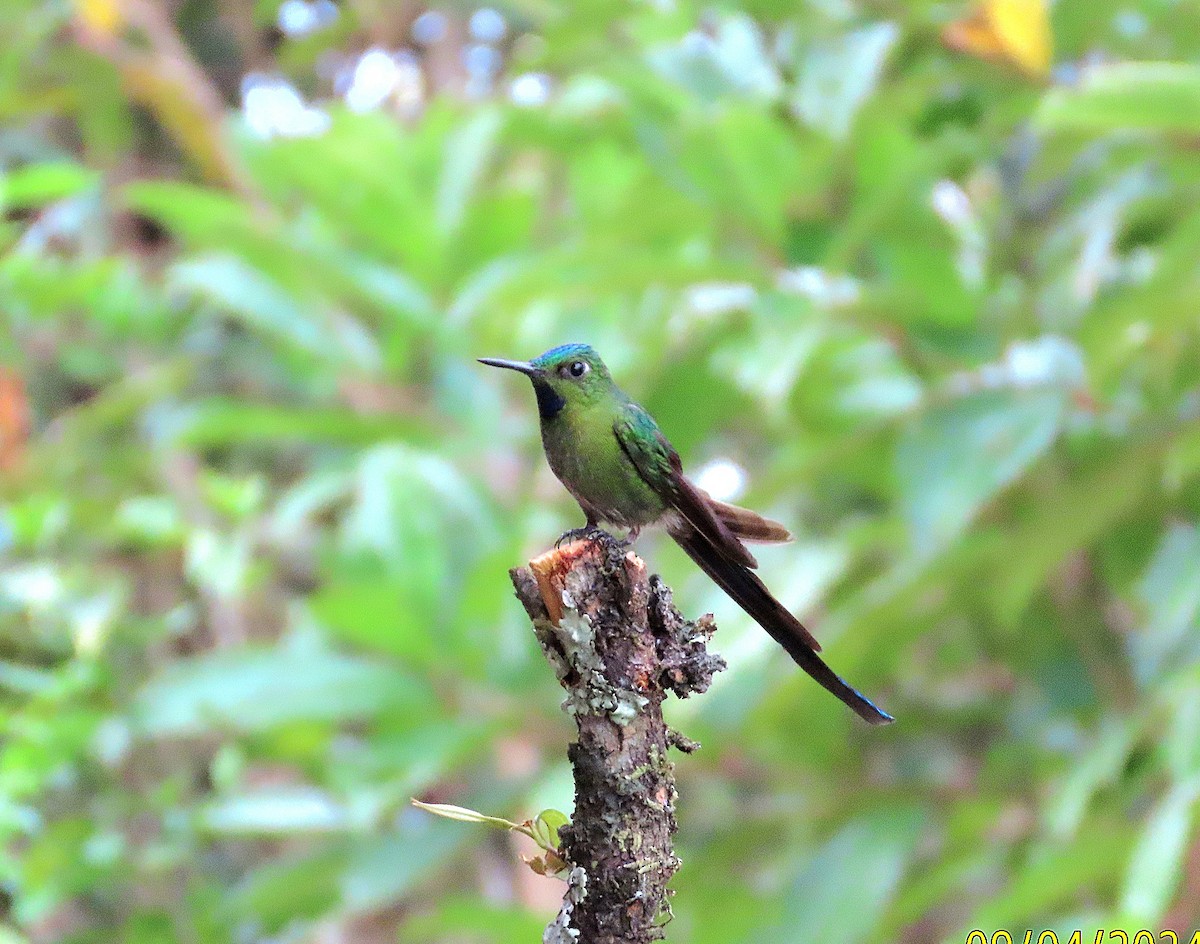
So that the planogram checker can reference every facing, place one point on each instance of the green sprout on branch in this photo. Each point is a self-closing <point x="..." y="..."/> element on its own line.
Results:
<point x="543" y="829"/>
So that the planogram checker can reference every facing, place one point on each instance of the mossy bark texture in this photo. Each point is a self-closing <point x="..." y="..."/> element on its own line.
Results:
<point x="617" y="645"/>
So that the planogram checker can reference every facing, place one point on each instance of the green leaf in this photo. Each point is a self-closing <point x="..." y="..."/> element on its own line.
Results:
<point x="474" y="920"/>
<point x="231" y="283"/>
<point x="199" y="214"/>
<point x="468" y="151"/>
<point x="369" y="179"/>
<point x="287" y="888"/>
<point x="1170" y="594"/>
<point x="149" y="521"/>
<point x="1101" y="764"/>
<point x="367" y="611"/>
<point x="406" y="498"/>
<point x="235" y="498"/>
<point x="1069" y="517"/>
<point x="838" y="76"/>
<point x="255" y="688"/>
<point x="39" y="184"/>
<point x="385" y="870"/>
<point x="1156" y="864"/>
<point x="1067" y="806"/>
<point x="1144" y="96"/>
<point x="282" y="812"/>
<point x="1050" y="877"/>
<point x="841" y="894"/>
<point x="221" y="421"/>
<point x="959" y="455"/>
<point x="731" y="59"/>
<point x="546" y="827"/>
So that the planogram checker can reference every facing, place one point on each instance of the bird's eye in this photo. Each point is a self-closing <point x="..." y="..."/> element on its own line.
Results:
<point x="577" y="368"/>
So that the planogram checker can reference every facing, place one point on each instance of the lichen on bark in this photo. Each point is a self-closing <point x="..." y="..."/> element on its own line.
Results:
<point x="617" y="646"/>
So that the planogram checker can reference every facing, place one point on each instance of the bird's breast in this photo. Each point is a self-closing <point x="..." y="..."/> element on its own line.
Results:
<point x="588" y="459"/>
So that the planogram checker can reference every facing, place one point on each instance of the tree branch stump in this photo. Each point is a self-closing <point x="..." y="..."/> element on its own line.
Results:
<point x="617" y="645"/>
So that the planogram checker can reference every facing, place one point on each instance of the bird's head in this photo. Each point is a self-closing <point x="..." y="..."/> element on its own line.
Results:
<point x="568" y="376"/>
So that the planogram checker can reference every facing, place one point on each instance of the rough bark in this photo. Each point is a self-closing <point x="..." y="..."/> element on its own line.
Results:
<point x="617" y="645"/>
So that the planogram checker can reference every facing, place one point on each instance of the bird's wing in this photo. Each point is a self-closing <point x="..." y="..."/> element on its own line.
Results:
<point x="702" y="534"/>
<point x="659" y="466"/>
<point x="700" y="528"/>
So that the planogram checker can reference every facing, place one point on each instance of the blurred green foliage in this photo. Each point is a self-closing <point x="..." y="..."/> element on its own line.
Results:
<point x="254" y="548"/>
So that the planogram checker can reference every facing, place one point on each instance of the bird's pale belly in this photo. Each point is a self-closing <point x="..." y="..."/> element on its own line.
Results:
<point x="603" y="480"/>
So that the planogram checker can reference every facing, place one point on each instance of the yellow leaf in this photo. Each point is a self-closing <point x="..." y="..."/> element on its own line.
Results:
<point x="185" y="112"/>
<point x="1023" y="28"/>
<point x="1015" y="32"/>
<point x="99" y="16"/>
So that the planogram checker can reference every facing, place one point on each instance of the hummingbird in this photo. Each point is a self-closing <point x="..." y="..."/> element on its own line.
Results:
<point x="614" y="460"/>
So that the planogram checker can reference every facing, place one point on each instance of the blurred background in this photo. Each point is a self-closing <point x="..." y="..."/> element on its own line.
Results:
<point x="917" y="278"/>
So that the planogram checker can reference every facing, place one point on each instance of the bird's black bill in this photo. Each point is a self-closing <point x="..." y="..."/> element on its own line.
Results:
<point x="520" y="366"/>
<point x="550" y="402"/>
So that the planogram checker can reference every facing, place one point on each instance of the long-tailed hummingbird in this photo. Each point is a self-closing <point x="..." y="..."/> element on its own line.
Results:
<point x="615" y="461"/>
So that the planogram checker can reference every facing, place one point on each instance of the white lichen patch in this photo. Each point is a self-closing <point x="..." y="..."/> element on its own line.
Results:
<point x="577" y="634"/>
<point x="628" y="708"/>
<point x="594" y="694"/>
<point x="577" y="885"/>
<point x="559" y="931"/>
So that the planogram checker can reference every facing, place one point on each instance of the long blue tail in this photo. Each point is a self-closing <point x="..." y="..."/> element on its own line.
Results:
<point x="752" y="595"/>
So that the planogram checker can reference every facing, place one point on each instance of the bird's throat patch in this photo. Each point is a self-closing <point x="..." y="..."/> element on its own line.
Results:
<point x="550" y="404"/>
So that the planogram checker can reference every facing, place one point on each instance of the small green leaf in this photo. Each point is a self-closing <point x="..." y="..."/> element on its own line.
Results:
<point x="199" y="214"/>
<point x="731" y="59"/>
<point x="364" y="611"/>
<point x="283" y="889"/>
<point x="546" y="826"/>
<point x="236" y="497"/>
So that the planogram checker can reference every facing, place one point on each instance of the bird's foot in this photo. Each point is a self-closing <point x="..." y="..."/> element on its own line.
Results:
<point x="612" y="546"/>
<point x="588" y="533"/>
